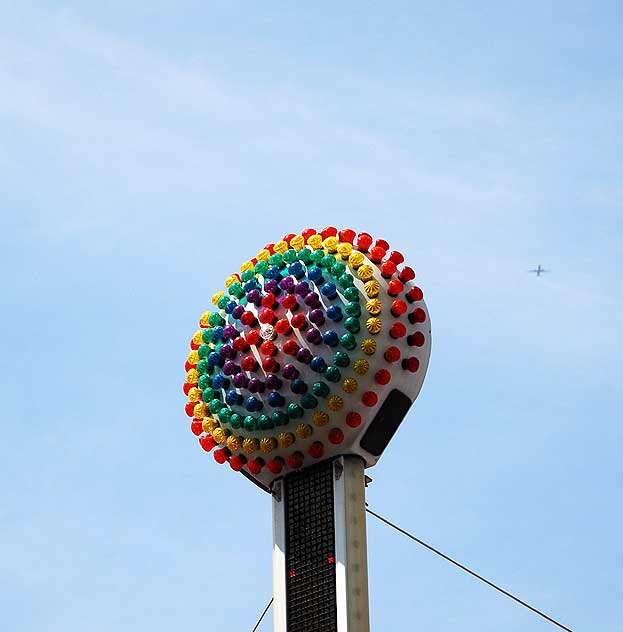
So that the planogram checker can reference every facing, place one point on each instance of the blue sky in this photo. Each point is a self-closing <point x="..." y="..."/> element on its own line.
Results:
<point x="146" y="150"/>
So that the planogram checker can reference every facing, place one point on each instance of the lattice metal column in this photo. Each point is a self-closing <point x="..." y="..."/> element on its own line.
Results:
<point x="320" y="569"/>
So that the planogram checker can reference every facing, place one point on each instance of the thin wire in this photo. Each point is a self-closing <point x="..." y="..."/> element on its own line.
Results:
<point x="257" y="625"/>
<point x="467" y="570"/>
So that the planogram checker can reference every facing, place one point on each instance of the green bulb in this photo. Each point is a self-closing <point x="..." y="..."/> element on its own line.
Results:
<point x="203" y="367"/>
<point x="225" y="415"/>
<point x="338" y="269"/>
<point x="206" y="335"/>
<point x="290" y="256"/>
<point x="309" y="401"/>
<point x="304" y="255"/>
<point x="345" y="281"/>
<point x="264" y="422"/>
<point x="216" y="320"/>
<point x="352" y="324"/>
<point x="275" y="260"/>
<point x="250" y="423"/>
<point x="353" y="309"/>
<point x="222" y="302"/>
<point x="327" y="262"/>
<point x="236" y="420"/>
<point x="208" y="395"/>
<point x="247" y="275"/>
<point x="235" y="289"/>
<point x="261" y="267"/>
<point x="320" y="389"/>
<point x="279" y="418"/>
<point x="348" y="341"/>
<point x="216" y="405"/>
<point x="316" y="256"/>
<point x="204" y="382"/>
<point x="341" y="358"/>
<point x="295" y="411"/>
<point x="351" y="294"/>
<point x="333" y="374"/>
<point x="204" y="351"/>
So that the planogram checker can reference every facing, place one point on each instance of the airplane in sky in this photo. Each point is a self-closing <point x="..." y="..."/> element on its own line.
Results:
<point x="539" y="271"/>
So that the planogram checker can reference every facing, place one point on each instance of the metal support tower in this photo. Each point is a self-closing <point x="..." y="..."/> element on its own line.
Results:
<point x="320" y="567"/>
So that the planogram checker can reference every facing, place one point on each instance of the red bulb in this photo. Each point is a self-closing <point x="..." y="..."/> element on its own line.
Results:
<point x="221" y="455"/>
<point x="316" y="449"/>
<point x="416" y="339"/>
<point x="288" y="238"/>
<point x="267" y="316"/>
<point x="207" y="442"/>
<point x="268" y="348"/>
<point x="255" y="466"/>
<point x="249" y="363"/>
<point x="414" y="294"/>
<point x="398" y="308"/>
<point x="388" y="269"/>
<point x="411" y="364"/>
<point x="353" y="420"/>
<point x="295" y="460"/>
<point x="396" y="257"/>
<point x="394" y="287"/>
<point x="290" y="347"/>
<point x="240" y="344"/>
<point x="275" y="465"/>
<point x="406" y="274"/>
<point x="270" y="365"/>
<point x="392" y="354"/>
<point x="282" y="326"/>
<point x="329" y="231"/>
<point x="253" y="337"/>
<point x="369" y="398"/>
<point x="376" y="254"/>
<point x="190" y="408"/>
<point x="196" y="427"/>
<point x="336" y="436"/>
<point x="248" y="319"/>
<point x="347" y="235"/>
<point x="308" y="232"/>
<point x="397" y="330"/>
<point x="270" y="248"/>
<point x="290" y="302"/>
<point x="381" y="243"/>
<point x="364" y="241"/>
<point x="237" y="462"/>
<point x="268" y="300"/>
<point x="299" y="321"/>
<point x="188" y="366"/>
<point x="418" y="315"/>
<point x="383" y="376"/>
<point x="188" y="386"/>
<point x="194" y="345"/>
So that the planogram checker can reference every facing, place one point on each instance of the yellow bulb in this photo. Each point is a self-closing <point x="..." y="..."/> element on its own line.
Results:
<point x="374" y="325"/>
<point x="361" y="366"/>
<point x="356" y="259"/>
<point x="374" y="306"/>
<point x="303" y="431"/>
<point x="232" y="278"/>
<point x="192" y="377"/>
<point x="320" y="418"/>
<point x="193" y="357"/>
<point x="209" y="424"/>
<point x="315" y="241"/>
<point x="368" y="346"/>
<point x="263" y="255"/>
<point x="285" y="439"/>
<point x="280" y="247"/>
<point x="200" y="410"/>
<point x="220" y="435"/>
<point x="344" y="250"/>
<point x="372" y="288"/>
<point x="247" y="265"/>
<point x="250" y="445"/>
<point x="234" y="443"/>
<point x="349" y="385"/>
<point x="335" y="402"/>
<point x="203" y="321"/>
<point x="268" y="444"/>
<point x="365" y="272"/>
<point x="197" y="339"/>
<point x="330" y="244"/>
<point x="194" y="394"/>
<point x="297" y="242"/>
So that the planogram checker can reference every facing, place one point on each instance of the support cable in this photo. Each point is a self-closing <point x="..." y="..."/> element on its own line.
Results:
<point x="467" y="570"/>
<point x="257" y="625"/>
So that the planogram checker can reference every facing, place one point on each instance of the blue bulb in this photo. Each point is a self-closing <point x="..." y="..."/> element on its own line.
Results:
<point x="318" y="364"/>
<point x="229" y="308"/>
<point x="298" y="386"/>
<point x="216" y="359"/>
<point x="315" y="274"/>
<point x="331" y="338"/>
<point x="253" y="404"/>
<point x="274" y="273"/>
<point x="334" y="312"/>
<point x="250" y="285"/>
<point x="217" y="334"/>
<point x="297" y="270"/>
<point x="276" y="400"/>
<point x="220" y="381"/>
<point x="329" y="290"/>
<point x="233" y="398"/>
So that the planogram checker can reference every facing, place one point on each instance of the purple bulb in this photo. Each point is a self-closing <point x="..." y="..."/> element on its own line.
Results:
<point x="312" y="299"/>
<point x="255" y="297"/>
<point x="240" y="380"/>
<point x="227" y="352"/>
<point x="302" y="288"/>
<point x="316" y="315"/>
<point x="238" y="311"/>
<point x="230" y="332"/>
<point x="256" y="385"/>
<point x="304" y="355"/>
<point x="313" y="336"/>
<point x="287" y="284"/>
<point x="230" y="368"/>
<point x="271" y="286"/>
<point x="273" y="382"/>
<point x="290" y="372"/>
